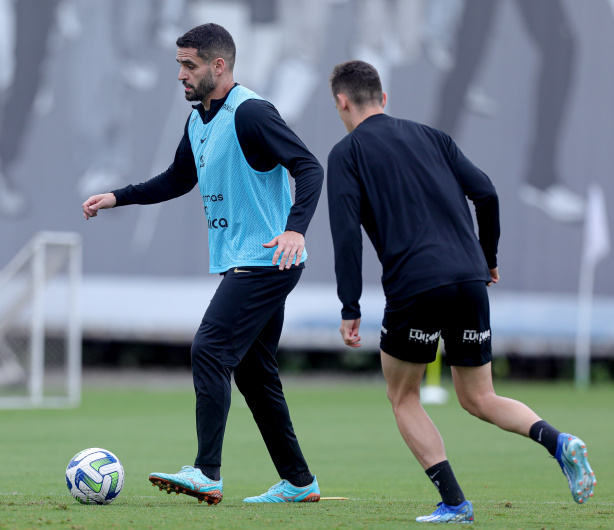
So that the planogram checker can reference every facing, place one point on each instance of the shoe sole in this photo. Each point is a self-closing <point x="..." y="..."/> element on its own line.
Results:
<point x="425" y="519"/>
<point x="312" y="497"/>
<point x="211" y="497"/>
<point x="587" y="482"/>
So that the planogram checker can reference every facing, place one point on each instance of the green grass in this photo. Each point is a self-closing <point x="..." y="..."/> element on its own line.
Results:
<point x="349" y="437"/>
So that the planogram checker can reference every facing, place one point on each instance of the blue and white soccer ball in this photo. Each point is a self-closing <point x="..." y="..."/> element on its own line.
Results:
<point x="95" y="476"/>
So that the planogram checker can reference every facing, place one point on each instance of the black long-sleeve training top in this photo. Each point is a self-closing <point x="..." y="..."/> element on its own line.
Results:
<point x="265" y="140"/>
<point x="408" y="184"/>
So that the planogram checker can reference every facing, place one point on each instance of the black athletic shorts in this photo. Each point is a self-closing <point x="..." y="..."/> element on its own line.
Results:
<point x="458" y="312"/>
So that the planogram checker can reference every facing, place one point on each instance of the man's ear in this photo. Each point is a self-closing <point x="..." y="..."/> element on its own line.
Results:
<point x="384" y="99"/>
<point x="343" y="101"/>
<point x="219" y="65"/>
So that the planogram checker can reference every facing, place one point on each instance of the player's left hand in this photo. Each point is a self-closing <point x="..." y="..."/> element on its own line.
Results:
<point x="290" y="246"/>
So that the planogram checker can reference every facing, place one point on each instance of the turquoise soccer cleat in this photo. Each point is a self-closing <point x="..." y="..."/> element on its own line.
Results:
<point x="463" y="514"/>
<point x="190" y="481"/>
<point x="571" y="456"/>
<point x="285" y="492"/>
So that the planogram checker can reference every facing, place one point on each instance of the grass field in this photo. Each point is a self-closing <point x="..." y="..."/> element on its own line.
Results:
<point x="349" y="437"/>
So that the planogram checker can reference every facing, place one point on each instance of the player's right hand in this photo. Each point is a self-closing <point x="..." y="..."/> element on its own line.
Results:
<point x="98" y="202"/>
<point x="494" y="276"/>
<point x="349" y="332"/>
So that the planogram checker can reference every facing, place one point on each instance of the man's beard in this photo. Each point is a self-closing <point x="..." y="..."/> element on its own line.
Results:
<point x="205" y="86"/>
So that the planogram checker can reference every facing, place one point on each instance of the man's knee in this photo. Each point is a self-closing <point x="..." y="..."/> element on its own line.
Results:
<point x="250" y="380"/>
<point x="476" y="404"/>
<point x="201" y="354"/>
<point x="213" y="348"/>
<point x="402" y="397"/>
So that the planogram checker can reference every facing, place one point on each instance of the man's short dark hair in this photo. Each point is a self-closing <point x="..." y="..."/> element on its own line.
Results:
<point x="359" y="81"/>
<point x="211" y="41"/>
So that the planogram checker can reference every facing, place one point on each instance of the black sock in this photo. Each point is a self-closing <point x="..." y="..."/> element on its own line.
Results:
<point x="211" y="472"/>
<point x="300" y="480"/>
<point x="443" y="478"/>
<point x="544" y="433"/>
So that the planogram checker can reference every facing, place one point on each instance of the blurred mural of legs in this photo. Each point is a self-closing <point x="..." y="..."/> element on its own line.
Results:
<point x="133" y="23"/>
<point x="171" y="22"/>
<point x="7" y="44"/>
<point x="27" y="24"/>
<point x="441" y="19"/>
<point x="141" y="26"/>
<point x="471" y="45"/>
<point x="546" y="24"/>
<point x="99" y="115"/>
<point x="122" y="38"/>
<point x="264" y="33"/>
<point x="388" y="35"/>
<point x="303" y="34"/>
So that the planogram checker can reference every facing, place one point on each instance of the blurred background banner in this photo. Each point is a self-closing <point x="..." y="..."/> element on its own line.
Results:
<point x="89" y="102"/>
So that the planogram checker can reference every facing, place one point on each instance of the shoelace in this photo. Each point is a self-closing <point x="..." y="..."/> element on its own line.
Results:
<point x="276" y="486"/>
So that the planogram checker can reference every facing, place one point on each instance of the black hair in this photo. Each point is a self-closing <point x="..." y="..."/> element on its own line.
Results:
<point x="359" y="81"/>
<point x="211" y="41"/>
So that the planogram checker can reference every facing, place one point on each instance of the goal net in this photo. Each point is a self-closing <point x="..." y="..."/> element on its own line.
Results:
<point x="40" y="327"/>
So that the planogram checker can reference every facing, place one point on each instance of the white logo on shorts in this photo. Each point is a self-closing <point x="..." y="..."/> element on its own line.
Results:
<point x="420" y="336"/>
<point x="473" y="335"/>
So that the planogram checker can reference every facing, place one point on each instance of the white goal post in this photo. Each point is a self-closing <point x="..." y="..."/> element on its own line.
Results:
<point x="40" y="324"/>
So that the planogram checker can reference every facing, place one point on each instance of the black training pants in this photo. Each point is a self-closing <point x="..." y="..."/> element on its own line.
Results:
<point x="240" y="331"/>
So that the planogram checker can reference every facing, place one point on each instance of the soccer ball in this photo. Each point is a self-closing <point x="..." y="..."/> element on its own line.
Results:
<point x="95" y="476"/>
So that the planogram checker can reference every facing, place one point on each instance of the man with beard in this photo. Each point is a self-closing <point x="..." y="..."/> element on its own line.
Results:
<point x="237" y="149"/>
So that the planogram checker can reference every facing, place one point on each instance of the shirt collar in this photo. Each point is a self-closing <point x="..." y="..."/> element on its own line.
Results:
<point x="216" y="105"/>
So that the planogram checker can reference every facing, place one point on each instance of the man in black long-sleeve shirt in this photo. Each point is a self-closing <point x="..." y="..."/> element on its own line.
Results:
<point x="407" y="185"/>
<point x="237" y="149"/>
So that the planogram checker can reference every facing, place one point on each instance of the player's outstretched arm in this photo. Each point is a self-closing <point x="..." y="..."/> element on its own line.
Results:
<point x="98" y="202"/>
